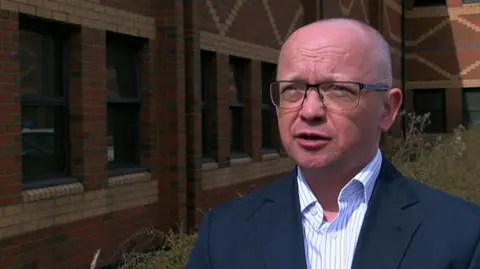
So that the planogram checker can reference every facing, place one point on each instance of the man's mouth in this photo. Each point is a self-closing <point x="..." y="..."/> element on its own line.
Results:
<point x="312" y="141"/>
<point x="310" y="136"/>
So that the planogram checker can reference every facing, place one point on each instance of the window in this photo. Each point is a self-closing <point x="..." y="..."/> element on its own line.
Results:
<point x="429" y="3"/>
<point x="432" y="101"/>
<point x="123" y="106"/>
<point x="207" y="72"/>
<point x="44" y="103"/>
<point x="268" y="111"/>
<point x="471" y="106"/>
<point x="237" y="68"/>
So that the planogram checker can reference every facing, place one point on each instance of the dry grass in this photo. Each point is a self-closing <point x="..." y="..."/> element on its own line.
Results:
<point x="447" y="162"/>
<point x="173" y="255"/>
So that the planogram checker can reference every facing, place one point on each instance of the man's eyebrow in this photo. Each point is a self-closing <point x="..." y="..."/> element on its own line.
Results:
<point x="291" y="77"/>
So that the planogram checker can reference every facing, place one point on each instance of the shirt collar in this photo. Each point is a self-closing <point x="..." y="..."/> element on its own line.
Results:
<point x="366" y="177"/>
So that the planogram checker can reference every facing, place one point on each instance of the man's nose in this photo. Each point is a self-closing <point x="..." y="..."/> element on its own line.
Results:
<point x="313" y="108"/>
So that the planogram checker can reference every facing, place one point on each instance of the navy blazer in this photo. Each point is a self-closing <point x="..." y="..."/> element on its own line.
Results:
<point x="407" y="225"/>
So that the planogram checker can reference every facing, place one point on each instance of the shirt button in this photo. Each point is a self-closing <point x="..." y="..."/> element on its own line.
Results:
<point x="314" y="212"/>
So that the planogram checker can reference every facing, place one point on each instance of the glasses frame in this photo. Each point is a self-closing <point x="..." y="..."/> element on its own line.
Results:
<point x="364" y="87"/>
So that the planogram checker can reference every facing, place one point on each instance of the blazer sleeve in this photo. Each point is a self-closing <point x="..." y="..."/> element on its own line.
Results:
<point x="475" y="261"/>
<point x="200" y="255"/>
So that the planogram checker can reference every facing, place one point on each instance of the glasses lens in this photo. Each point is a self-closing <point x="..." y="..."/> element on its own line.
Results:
<point x="335" y="96"/>
<point x="340" y="95"/>
<point x="287" y="94"/>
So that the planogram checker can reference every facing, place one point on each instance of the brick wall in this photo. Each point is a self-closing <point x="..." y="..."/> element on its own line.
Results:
<point x="60" y="221"/>
<point x="225" y="30"/>
<point x="442" y="54"/>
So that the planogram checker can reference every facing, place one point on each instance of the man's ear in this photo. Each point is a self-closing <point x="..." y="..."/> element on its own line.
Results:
<point x="391" y="106"/>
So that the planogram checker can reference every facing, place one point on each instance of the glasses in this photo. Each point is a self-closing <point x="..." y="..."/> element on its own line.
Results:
<point x="338" y="95"/>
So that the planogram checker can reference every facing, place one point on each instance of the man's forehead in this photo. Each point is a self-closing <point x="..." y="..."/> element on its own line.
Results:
<point x="320" y="37"/>
<point x="322" y="51"/>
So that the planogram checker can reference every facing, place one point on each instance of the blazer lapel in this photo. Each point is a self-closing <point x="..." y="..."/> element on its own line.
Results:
<point x="279" y="227"/>
<point x="391" y="221"/>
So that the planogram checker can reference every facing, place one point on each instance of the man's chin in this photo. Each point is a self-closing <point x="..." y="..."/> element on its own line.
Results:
<point x="309" y="162"/>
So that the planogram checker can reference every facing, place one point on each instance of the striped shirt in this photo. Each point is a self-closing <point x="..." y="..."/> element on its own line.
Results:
<point x="332" y="245"/>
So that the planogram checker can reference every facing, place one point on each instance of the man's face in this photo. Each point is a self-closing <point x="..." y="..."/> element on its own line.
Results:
<point x="321" y="54"/>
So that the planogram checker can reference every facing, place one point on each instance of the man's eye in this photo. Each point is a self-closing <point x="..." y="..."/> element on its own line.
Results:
<point x="340" y="88"/>
<point x="290" y="88"/>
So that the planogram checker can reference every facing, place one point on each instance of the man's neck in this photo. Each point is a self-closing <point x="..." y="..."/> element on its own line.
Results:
<point x="327" y="182"/>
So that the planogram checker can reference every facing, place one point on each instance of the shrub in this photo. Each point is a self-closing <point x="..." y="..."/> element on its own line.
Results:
<point x="447" y="162"/>
<point x="173" y="255"/>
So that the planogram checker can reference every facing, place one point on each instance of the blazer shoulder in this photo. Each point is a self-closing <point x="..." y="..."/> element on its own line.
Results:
<point x="445" y="203"/>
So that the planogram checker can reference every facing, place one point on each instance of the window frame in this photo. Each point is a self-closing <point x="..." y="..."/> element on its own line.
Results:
<point x="118" y="39"/>
<point x="267" y="107"/>
<point x="60" y="33"/>
<point x="235" y="62"/>
<point x="443" y="111"/>
<point x="465" y="111"/>
<point x="206" y="153"/>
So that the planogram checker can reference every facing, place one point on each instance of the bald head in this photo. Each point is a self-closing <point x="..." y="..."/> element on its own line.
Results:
<point x="367" y="42"/>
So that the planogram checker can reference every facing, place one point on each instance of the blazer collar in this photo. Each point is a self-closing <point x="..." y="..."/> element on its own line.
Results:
<point x="390" y="223"/>
<point x="279" y="226"/>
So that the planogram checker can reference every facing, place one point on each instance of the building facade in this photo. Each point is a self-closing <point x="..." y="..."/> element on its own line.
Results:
<point x="119" y="115"/>
<point x="434" y="51"/>
<point x="442" y="62"/>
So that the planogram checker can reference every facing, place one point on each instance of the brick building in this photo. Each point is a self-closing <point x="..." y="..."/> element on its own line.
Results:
<point x="442" y="60"/>
<point x="438" y="42"/>
<point x="119" y="114"/>
<point x="102" y="104"/>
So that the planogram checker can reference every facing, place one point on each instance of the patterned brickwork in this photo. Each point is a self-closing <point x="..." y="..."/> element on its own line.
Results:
<point x="253" y="30"/>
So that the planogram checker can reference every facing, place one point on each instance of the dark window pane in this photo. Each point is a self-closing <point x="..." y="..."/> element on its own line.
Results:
<point x="267" y="129"/>
<point x="40" y="64"/>
<point x="237" y="145"/>
<point x="437" y="123"/>
<point x="427" y="3"/>
<point x="237" y="80"/>
<point x="207" y="82"/>
<point x="121" y="70"/>
<point x="123" y="135"/>
<point x="236" y="98"/>
<point x="471" y="99"/>
<point x="429" y="100"/>
<point x="268" y="76"/>
<point x="205" y="134"/>
<point x="43" y="142"/>
<point x="207" y="59"/>
<point x="471" y="117"/>
<point x="471" y="106"/>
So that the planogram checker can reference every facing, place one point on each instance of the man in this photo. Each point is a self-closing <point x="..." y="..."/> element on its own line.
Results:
<point x="345" y="206"/>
